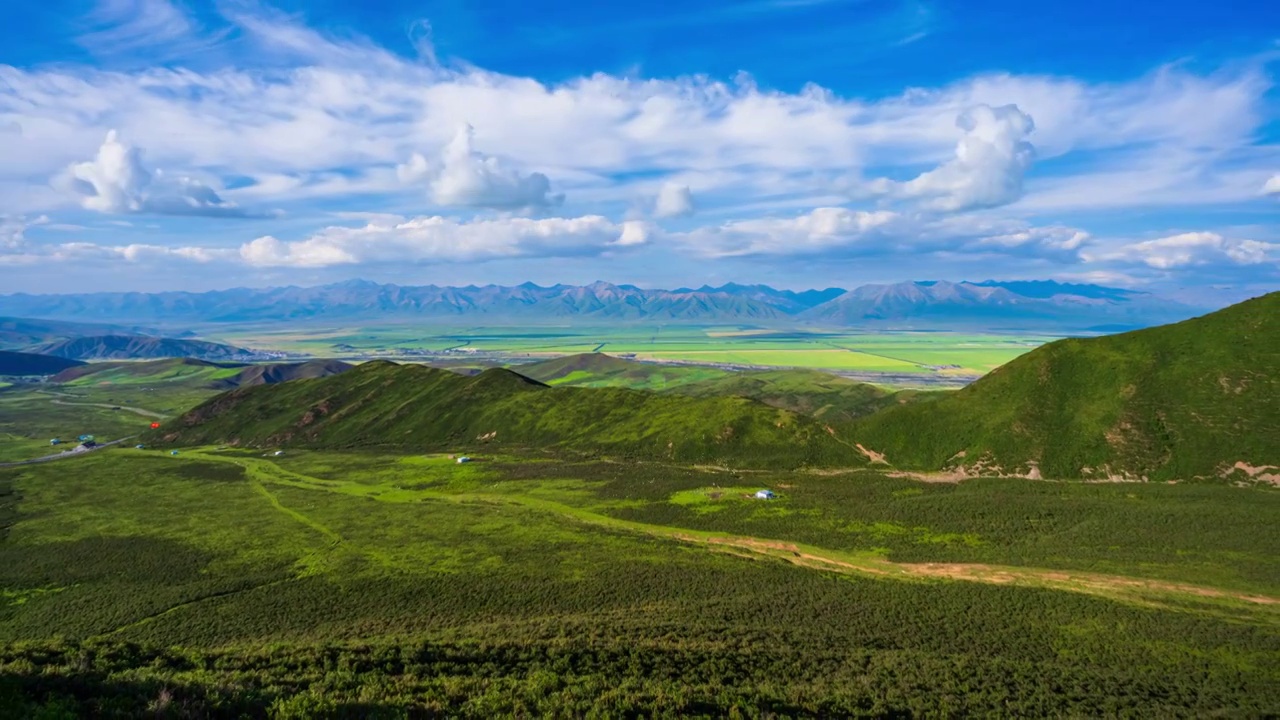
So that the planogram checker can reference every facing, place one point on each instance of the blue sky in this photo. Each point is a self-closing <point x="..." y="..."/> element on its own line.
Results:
<point x="152" y="144"/>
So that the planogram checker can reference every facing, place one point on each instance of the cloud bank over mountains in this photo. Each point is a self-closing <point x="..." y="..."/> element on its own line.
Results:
<point x="1031" y="173"/>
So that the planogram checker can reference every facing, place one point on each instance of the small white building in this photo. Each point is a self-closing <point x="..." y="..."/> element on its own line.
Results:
<point x="464" y="459"/>
<point x="765" y="495"/>
<point x="278" y="453"/>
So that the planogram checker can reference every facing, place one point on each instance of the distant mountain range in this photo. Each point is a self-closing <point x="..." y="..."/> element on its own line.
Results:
<point x="990" y="304"/>
<point x="17" y="333"/>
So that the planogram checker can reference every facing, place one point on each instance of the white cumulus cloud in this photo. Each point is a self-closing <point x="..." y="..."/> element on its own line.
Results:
<point x="987" y="170"/>
<point x="674" y="200"/>
<point x="465" y="177"/>
<point x="1272" y="186"/>
<point x="822" y="229"/>
<point x="116" y="182"/>
<point x="440" y="239"/>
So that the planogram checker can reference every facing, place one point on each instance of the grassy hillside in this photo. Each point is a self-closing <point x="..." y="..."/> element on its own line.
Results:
<point x="17" y="363"/>
<point x="125" y="372"/>
<point x="809" y="392"/>
<point x="600" y="370"/>
<point x="323" y="585"/>
<point x="273" y="373"/>
<point x="1177" y="401"/>
<point x="381" y="404"/>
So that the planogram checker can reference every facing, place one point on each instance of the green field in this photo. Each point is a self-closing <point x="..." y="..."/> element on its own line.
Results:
<point x="351" y="584"/>
<point x="889" y="352"/>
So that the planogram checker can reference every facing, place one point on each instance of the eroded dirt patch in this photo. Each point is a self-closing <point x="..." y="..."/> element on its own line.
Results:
<point x="875" y="457"/>
<point x="1260" y="473"/>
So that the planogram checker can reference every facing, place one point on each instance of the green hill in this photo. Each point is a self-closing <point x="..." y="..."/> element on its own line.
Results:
<point x="1178" y="401"/>
<point x="17" y="363"/>
<point x="124" y="372"/>
<point x="417" y="408"/>
<point x="809" y="392"/>
<point x="273" y="373"/>
<point x="601" y="370"/>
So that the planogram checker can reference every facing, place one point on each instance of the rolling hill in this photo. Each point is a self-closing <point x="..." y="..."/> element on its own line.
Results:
<point x="416" y="408"/>
<point x="196" y="373"/>
<point x="116" y="372"/>
<point x="272" y="373"/>
<point x="140" y="347"/>
<point x="16" y="363"/>
<point x="1025" y="305"/>
<point x="807" y="392"/>
<point x="601" y="370"/>
<point x="1180" y="401"/>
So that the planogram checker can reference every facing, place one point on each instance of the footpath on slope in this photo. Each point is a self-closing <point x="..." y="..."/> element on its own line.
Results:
<point x="139" y="411"/>
<point x="1143" y="591"/>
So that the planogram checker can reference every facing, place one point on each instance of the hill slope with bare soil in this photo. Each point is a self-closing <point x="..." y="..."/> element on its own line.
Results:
<point x="1180" y="401"/>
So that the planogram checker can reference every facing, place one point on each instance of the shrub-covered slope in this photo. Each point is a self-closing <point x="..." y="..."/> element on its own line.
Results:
<point x="273" y="373"/>
<point x="810" y="392"/>
<point x="601" y="370"/>
<point x="1178" y="401"/>
<point x="416" y="408"/>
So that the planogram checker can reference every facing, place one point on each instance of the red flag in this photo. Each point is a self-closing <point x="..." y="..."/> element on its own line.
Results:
<point x="155" y="425"/>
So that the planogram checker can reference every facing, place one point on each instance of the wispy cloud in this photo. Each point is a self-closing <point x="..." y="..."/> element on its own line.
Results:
<point x="161" y="27"/>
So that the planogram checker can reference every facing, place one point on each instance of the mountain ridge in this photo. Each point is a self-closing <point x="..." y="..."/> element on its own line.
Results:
<point x="907" y="304"/>
<point x="381" y="404"/>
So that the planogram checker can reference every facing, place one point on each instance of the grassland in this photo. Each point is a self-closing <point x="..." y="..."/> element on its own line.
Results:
<point x="30" y="419"/>
<point x="119" y="399"/>
<point x="166" y="387"/>
<point x="346" y="584"/>
<point x="889" y="352"/>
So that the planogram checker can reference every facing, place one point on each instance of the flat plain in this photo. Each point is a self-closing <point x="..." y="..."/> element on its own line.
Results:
<point x="887" y="352"/>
